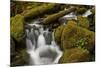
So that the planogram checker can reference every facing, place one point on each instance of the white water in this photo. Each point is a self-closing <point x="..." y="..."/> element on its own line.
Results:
<point x="43" y="53"/>
<point x="72" y="15"/>
<point x="37" y="47"/>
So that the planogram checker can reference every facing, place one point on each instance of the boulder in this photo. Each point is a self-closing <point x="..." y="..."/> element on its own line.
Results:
<point x="58" y="33"/>
<point x="75" y="55"/>
<point x="18" y="31"/>
<point x="83" y="22"/>
<point x="17" y="27"/>
<point x="72" y="34"/>
<point x="81" y="10"/>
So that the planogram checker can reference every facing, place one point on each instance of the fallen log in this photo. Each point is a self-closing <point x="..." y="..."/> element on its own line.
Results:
<point x="54" y="17"/>
<point x="37" y="11"/>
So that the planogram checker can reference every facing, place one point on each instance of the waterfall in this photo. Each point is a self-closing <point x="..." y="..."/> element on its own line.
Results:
<point x="41" y="45"/>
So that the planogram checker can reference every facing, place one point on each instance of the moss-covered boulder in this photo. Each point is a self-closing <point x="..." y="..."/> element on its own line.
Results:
<point x="58" y="33"/>
<point x="80" y="11"/>
<point x="17" y="27"/>
<point x="18" y="31"/>
<point x="83" y="22"/>
<point x="73" y="33"/>
<point x="74" y="55"/>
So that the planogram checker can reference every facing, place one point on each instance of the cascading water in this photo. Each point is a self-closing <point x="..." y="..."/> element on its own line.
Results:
<point x="41" y="49"/>
<point x="40" y="43"/>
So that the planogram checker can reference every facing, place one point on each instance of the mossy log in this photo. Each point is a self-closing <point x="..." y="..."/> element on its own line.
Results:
<point x="54" y="17"/>
<point x="37" y="11"/>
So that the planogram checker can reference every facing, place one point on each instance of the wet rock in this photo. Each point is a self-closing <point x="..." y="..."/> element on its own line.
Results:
<point x="92" y="20"/>
<point x="20" y="58"/>
<point x="72" y="34"/>
<point x="83" y="22"/>
<point x="75" y="55"/>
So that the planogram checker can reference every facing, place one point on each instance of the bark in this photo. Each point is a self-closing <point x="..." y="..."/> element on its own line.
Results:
<point x="54" y="17"/>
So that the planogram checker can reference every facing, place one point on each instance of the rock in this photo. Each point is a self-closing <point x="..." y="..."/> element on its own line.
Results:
<point x="18" y="31"/>
<point x="73" y="33"/>
<point x="81" y="11"/>
<point x="75" y="55"/>
<point x="12" y="46"/>
<point x="58" y="33"/>
<point x="20" y="58"/>
<point x="93" y="10"/>
<point x="92" y="20"/>
<point x="83" y="22"/>
<point x="17" y="27"/>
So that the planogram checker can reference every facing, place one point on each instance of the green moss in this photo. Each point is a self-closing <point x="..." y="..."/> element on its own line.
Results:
<point x="83" y="22"/>
<point x="37" y="11"/>
<point x="20" y="58"/>
<point x="93" y="10"/>
<point x="81" y="10"/>
<point x="68" y="35"/>
<point x="54" y="17"/>
<point x="74" y="55"/>
<point x="17" y="27"/>
<point x="58" y="33"/>
<point x="72" y="33"/>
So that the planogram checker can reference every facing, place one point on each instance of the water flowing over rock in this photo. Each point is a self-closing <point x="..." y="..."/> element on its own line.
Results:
<point x="40" y="51"/>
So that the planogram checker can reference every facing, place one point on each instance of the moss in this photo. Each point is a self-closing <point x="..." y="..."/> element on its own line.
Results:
<point x="58" y="33"/>
<point x="81" y="10"/>
<point x="72" y="33"/>
<point x="54" y="17"/>
<point x="93" y="10"/>
<point x="68" y="35"/>
<point x="20" y="58"/>
<point x="92" y="20"/>
<point x="83" y="22"/>
<point x="17" y="27"/>
<point x="37" y="11"/>
<point x="74" y="55"/>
